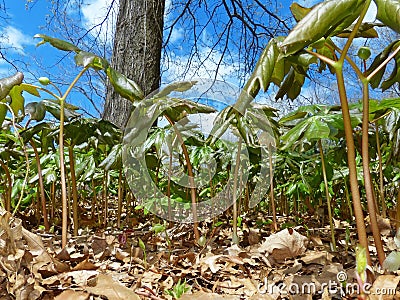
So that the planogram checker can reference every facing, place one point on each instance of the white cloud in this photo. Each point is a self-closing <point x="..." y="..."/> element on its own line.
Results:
<point x="95" y="13"/>
<point x="203" y="65"/>
<point x="13" y="39"/>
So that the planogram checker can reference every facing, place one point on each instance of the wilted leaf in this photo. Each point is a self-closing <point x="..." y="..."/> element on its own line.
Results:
<point x="392" y="261"/>
<point x="285" y="244"/>
<point x="36" y="110"/>
<point x="106" y="286"/>
<point x="71" y="294"/>
<point x="384" y="283"/>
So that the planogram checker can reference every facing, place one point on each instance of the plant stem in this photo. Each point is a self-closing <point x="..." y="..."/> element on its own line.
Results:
<point x="191" y="179"/>
<point x="235" y="238"/>
<point x="367" y="176"/>
<point x="328" y="196"/>
<point x="41" y="187"/>
<point x="351" y="161"/>
<point x="74" y="189"/>
<point x="64" y="229"/>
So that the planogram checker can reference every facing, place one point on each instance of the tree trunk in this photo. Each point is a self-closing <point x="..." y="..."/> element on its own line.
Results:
<point x="136" y="53"/>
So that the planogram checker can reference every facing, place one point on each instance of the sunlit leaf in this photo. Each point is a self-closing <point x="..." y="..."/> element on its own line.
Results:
<point x="325" y="19"/>
<point x="17" y="100"/>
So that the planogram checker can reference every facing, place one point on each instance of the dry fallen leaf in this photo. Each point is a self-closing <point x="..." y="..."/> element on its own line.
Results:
<point x="71" y="294"/>
<point x="106" y="286"/>
<point x="285" y="244"/>
<point x="384" y="287"/>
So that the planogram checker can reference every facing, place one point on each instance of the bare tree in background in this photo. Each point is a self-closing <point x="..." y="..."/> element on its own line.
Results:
<point x="136" y="52"/>
<point x="203" y="37"/>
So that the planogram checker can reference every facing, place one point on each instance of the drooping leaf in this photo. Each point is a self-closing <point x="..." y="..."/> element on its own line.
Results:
<point x="394" y="76"/>
<point x="379" y="59"/>
<point x="7" y="83"/>
<point x="261" y="76"/>
<point x="366" y="30"/>
<point x="36" y="110"/>
<point x="124" y="86"/>
<point x="84" y="59"/>
<point x="57" y="43"/>
<point x="181" y="86"/>
<point x="113" y="159"/>
<point x="54" y="108"/>
<point x="325" y="19"/>
<point x="286" y="85"/>
<point x="389" y="13"/>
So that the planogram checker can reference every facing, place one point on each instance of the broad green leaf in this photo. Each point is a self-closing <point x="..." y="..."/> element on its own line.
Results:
<point x="57" y="43"/>
<point x="30" y="89"/>
<point x="17" y="101"/>
<point x="389" y="13"/>
<point x="317" y="130"/>
<point x="84" y="59"/>
<point x="36" y="110"/>
<point x="325" y="19"/>
<point x="124" y="86"/>
<point x="7" y="83"/>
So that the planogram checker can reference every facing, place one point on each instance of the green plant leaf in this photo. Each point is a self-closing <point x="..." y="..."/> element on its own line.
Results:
<point x="7" y="83"/>
<point x="325" y="19"/>
<point x="113" y="161"/>
<point x="389" y="13"/>
<point x="17" y="100"/>
<point x="57" y="43"/>
<point x="298" y="11"/>
<point x="124" y="86"/>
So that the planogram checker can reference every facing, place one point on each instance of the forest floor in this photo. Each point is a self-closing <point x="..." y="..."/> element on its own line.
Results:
<point x="296" y="262"/>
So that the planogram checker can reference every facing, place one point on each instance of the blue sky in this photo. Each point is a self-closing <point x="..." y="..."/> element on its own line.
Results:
<point x="18" y="44"/>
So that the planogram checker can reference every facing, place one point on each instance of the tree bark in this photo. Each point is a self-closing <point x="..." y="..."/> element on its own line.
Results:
<point x="136" y="53"/>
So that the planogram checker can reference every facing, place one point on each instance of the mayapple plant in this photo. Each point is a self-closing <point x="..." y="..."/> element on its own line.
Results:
<point x="286" y="60"/>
